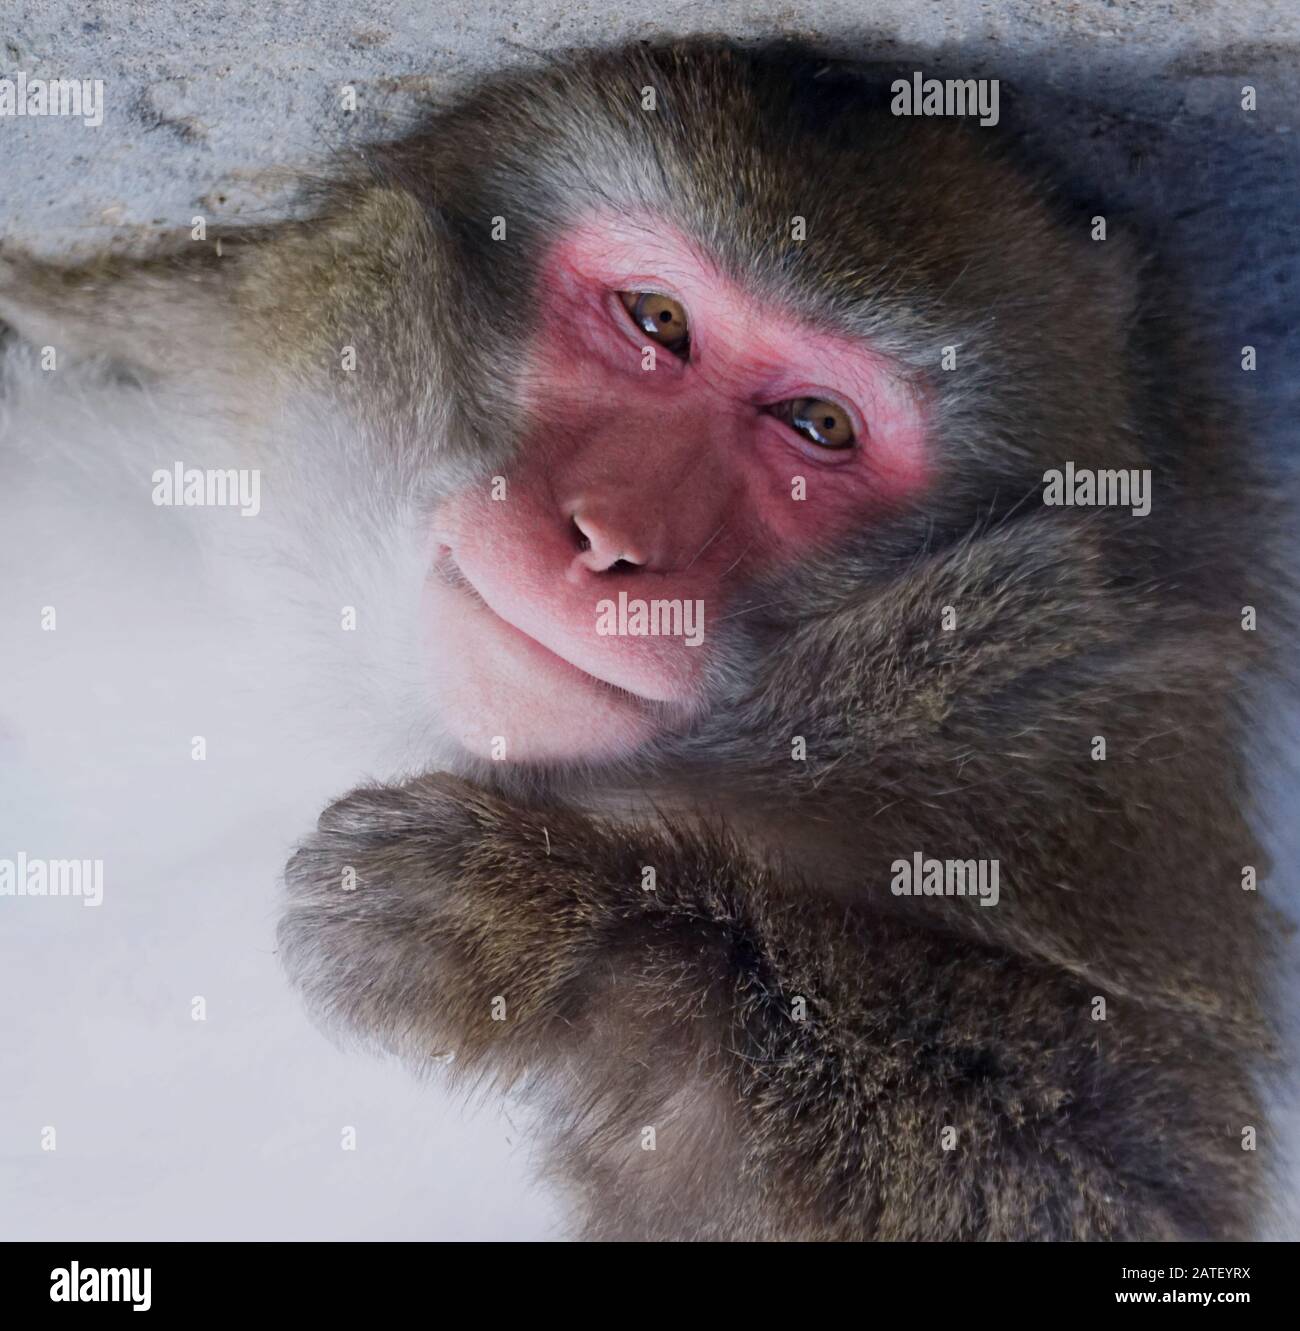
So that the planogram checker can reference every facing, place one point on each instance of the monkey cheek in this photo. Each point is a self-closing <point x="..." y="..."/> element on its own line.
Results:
<point x="505" y="697"/>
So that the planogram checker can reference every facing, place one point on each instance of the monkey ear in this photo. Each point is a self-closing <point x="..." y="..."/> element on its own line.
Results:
<point x="155" y="315"/>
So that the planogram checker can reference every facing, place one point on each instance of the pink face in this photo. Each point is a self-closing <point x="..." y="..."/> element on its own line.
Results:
<point x="574" y="599"/>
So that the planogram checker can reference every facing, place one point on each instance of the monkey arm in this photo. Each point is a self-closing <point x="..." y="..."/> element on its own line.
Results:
<point x="156" y="314"/>
<point x="723" y="1056"/>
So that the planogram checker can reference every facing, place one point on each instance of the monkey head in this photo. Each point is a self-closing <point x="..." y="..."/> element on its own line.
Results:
<point x="683" y="365"/>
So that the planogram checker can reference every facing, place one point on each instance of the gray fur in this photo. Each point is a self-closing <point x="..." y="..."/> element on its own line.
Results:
<point x="627" y="1009"/>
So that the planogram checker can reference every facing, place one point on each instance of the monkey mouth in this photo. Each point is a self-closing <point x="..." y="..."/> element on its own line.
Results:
<point x="447" y="574"/>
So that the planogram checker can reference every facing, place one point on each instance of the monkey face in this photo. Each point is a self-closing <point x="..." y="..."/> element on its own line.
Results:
<point x="682" y="436"/>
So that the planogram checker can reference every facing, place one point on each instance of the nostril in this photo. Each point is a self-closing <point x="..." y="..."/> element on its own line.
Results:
<point x="602" y="548"/>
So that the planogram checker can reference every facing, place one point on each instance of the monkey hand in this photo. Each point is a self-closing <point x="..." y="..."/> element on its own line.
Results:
<point x="374" y="904"/>
<point x="437" y="916"/>
<point x="606" y="965"/>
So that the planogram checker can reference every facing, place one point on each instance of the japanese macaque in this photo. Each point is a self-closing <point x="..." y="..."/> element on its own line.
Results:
<point x="832" y="838"/>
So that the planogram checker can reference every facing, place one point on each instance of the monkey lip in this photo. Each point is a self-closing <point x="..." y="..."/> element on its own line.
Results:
<point x="503" y="694"/>
<point x="447" y="574"/>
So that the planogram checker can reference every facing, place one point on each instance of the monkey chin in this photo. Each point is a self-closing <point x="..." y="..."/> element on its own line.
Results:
<point x="503" y="696"/>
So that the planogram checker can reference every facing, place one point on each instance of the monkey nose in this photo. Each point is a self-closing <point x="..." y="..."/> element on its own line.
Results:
<point x="603" y="548"/>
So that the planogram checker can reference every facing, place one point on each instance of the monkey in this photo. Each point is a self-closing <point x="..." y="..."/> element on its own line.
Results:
<point x="678" y="420"/>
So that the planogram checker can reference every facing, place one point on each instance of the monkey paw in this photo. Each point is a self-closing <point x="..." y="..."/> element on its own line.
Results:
<point x="364" y="934"/>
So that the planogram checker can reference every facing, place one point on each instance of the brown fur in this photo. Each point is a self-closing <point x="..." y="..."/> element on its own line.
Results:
<point x="674" y="1008"/>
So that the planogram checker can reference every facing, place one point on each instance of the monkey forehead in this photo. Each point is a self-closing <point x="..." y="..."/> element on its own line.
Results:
<point x="739" y="336"/>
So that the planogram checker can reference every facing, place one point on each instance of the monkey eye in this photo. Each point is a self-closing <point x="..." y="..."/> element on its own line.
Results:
<point x="820" y="421"/>
<point x="659" y="317"/>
